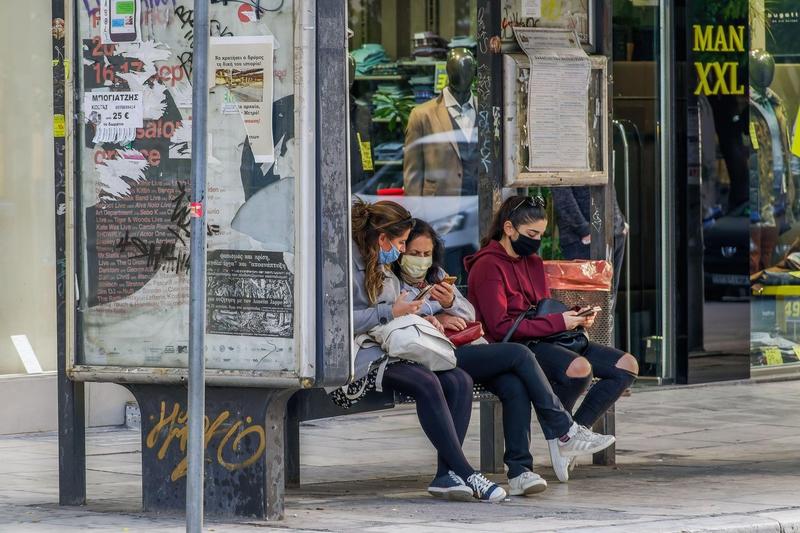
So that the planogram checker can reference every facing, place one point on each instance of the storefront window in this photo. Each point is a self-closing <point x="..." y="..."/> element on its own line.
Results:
<point x="27" y="206"/>
<point x="413" y="114"/>
<point x="773" y="143"/>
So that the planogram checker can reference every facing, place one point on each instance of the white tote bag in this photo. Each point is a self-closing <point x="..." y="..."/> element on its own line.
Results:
<point x="413" y="338"/>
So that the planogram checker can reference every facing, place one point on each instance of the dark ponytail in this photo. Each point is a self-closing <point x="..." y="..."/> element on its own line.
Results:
<point x="519" y="210"/>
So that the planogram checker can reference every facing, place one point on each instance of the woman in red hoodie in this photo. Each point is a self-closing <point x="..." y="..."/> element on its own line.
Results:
<point x="506" y="277"/>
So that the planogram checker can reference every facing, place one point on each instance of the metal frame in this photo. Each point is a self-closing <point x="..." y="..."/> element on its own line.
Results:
<point x="305" y="340"/>
<point x="516" y="172"/>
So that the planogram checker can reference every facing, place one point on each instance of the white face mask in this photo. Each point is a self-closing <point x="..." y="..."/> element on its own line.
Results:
<point x="415" y="267"/>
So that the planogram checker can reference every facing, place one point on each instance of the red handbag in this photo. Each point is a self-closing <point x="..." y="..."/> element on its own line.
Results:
<point x="471" y="333"/>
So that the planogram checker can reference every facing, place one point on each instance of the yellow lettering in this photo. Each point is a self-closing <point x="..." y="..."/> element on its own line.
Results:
<point x="721" y="42"/>
<point x="702" y="38"/>
<point x="733" y="79"/>
<point x="702" y="84"/>
<point x="736" y="38"/>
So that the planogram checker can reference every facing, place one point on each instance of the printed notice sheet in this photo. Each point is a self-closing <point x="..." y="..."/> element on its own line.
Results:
<point x="243" y="65"/>
<point x="558" y="99"/>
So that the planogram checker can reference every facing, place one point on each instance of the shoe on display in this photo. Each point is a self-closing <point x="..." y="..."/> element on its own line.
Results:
<point x="450" y="487"/>
<point x="526" y="483"/>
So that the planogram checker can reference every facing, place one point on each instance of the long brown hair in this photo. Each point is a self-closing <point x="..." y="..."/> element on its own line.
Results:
<point x="369" y="221"/>
<point x="519" y="210"/>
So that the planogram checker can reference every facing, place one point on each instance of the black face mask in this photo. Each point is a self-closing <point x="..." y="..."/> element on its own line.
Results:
<point x="525" y="246"/>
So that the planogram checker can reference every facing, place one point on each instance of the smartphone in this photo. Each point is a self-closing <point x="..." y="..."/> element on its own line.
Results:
<point x="124" y="20"/>
<point x="423" y="293"/>
<point x="590" y="311"/>
<point x="450" y="280"/>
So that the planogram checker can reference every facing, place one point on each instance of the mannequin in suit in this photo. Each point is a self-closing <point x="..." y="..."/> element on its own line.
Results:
<point x="441" y="147"/>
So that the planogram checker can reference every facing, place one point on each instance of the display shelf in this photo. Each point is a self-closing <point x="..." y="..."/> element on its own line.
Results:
<point x="431" y="63"/>
<point x="381" y="120"/>
<point x="778" y="290"/>
<point x="388" y="77"/>
<point x="564" y="178"/>
<point x="388" y="162"/>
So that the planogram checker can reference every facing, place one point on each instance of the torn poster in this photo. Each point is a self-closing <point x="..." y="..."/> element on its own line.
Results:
<point x="558" y="99"/>
<point x="115" y="115"/>
<point x="120" y="21"/>
<point x="243" y="66"/>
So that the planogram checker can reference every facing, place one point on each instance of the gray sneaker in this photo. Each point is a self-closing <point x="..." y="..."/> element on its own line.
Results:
<point x="583" y="441"/>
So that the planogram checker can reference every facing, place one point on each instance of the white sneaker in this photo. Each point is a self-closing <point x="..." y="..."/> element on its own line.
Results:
<point x="583" y="441"/>
<point x="560" y="463"/>
<point x="526" y="483"/>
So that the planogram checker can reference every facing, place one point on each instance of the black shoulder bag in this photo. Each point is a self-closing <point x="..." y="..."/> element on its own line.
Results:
<point x="574" y="340"/>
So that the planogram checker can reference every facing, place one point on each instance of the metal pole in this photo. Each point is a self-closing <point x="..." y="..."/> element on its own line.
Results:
<point x="197" y="273"/>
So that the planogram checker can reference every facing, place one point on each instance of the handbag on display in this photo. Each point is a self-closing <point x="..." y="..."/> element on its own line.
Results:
<point x="412" y="338"/>
<point x="470" y="334"/>
<point x="574" y="340"/>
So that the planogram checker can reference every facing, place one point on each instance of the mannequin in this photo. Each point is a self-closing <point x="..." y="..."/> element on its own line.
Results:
<point x="772" y="183"/>
<point x="441" y="147"/>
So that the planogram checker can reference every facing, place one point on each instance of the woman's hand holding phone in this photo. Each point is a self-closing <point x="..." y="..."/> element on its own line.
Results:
<point x="444" y="293"/>
<point x="573" y="320"/>
<point x="403" y="307"/>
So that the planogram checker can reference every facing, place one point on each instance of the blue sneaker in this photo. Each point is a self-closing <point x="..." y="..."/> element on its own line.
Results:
<point x="451" y="487"/>
<point x="484" y="489"/>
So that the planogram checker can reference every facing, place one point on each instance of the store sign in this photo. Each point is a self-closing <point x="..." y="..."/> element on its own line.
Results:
<point x="783" y="24"/>
<point x="718" y="77"/>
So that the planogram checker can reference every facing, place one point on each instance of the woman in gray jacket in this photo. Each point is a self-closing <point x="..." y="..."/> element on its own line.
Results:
<point x="443" y="399"/>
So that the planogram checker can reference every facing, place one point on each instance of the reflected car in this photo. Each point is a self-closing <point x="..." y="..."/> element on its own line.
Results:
<point x="726" y="255"/>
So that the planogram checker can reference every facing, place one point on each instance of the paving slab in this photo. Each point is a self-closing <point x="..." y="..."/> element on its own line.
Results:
<point x="695" y="459"/>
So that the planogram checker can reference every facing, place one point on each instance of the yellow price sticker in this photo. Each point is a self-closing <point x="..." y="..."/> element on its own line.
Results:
<point x="366" y="154"/>
<point x="440" y="78"/>
<point x="753" y="137"/>
<point x="773" y="355"/>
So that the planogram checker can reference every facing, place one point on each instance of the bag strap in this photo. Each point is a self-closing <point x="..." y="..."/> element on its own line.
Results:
<point x="517" y="322"/>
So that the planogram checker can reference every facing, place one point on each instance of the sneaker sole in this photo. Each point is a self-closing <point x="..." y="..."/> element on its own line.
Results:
<point x="495" y="500"/>
<point x="588" y="451"/>
<point x="459" y="496"/>
<point x="451" y="495"/>
<point x="533" y="489"/>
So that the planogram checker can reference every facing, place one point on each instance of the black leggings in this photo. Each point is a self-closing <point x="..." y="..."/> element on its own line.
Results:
<point x="444" y="407"/>
<point x="510" y="371"/>
<point x="613" y="381"/>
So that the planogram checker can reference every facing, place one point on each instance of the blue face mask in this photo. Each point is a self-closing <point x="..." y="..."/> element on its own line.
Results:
<point x="391" y="256"/>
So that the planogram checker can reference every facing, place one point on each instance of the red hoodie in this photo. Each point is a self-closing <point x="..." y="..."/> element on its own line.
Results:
<point x="502" y="287"/>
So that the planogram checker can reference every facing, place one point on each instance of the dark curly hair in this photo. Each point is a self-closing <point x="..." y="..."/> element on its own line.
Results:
<point x="422" y="228"/>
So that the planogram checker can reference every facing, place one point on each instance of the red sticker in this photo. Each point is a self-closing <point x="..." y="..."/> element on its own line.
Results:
<point x="247" y="13"/>
<point x="196" y="209"/>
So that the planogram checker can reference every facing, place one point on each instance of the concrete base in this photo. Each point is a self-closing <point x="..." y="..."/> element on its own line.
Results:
<point x="28" y="403"/>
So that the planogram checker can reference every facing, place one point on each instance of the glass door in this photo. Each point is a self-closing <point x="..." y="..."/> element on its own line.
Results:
<point x="639" y="181"/>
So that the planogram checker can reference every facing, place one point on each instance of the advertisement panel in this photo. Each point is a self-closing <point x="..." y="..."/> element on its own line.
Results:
<point x="133" y="204"/>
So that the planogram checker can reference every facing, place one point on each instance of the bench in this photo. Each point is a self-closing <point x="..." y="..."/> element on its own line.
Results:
<point x="315" y="404"/>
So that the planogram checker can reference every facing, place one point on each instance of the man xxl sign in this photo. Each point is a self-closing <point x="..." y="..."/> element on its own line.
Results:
<point x="718" y="77"/>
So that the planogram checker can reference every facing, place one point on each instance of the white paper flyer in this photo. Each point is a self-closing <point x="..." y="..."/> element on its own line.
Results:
<point x="558" y="99"/>
<point x="243" y="67"/>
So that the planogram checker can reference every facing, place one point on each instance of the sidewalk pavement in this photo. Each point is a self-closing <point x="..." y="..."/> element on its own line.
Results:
<point x="710" y="458"/>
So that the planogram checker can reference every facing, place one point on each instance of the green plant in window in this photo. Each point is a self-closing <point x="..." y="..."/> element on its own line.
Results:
<point x="394" y="110"/>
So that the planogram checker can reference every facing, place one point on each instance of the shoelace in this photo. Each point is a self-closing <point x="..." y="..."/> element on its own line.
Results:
<point x="526" y="475"/>
<point x="480" y="483"/>
<point x="586" y="433"/>
<point x="457" y="480"/>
